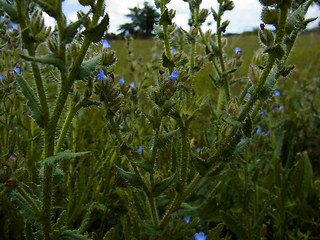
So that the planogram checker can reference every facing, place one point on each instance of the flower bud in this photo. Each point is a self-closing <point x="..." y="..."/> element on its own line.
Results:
<point x="233" y="107"/>
<point x="53" y="44"/>
<point x="193" y="32"/>
<point x="172" y="13"/>
<point x="266" y="36"/>
<point x="203" y="15"/>
<point x="229" y="5"/>
<point x="108" y="58"/>
<point x="268" y="2"/>
<point x="199" y="61"/>
<point x="176" y="56"/>
<point x="254" y="74"/>
<point x="198" y="2"/>
<point x="270" y="16"/>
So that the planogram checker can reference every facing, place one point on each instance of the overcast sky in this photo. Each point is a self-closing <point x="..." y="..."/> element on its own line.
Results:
<point x="245" y="16"/>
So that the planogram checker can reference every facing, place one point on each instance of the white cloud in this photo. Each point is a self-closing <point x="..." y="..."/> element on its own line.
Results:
<point x="245" y="16"/>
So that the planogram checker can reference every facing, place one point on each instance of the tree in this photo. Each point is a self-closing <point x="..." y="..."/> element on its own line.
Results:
<point x="142" y="20"/>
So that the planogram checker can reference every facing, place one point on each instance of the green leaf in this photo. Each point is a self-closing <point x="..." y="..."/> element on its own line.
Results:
<point x="130" y="177"/>
<point x="88" y="67"/>
<point x="47" y="59"/>
<point x="214" y="47"/>
<point x="214" y="233"/>
<point x="166" y="62"/>
<point x="94" y="34"/>
<point x="199" y="164"/>
<point x="72" y="29"/>
<point x="32" y="100"/>
<point x="62" y="155"/>
<point x="247" y="127"/>
<point x="70" y="235"/>
<point x="88" y="103"/>
<point x="163" y="185"/>
<point x="300" y="177"/>
<point x="165" y="18"/>
<point x="110" y="235"/>
<point x="233" y="122"/>
<point x="145" y="166"/>
<point x="165" y="138"/>
<point x="10" y="10"/>
<point x="235" y="225"/>
<point x="86" y="2"/>
<point x="48" y="8"/>
<point x="276" y="50"/>
<point x="267" y="90"/>
<point x="216" y="81"/>
<point x="148" y="229"/>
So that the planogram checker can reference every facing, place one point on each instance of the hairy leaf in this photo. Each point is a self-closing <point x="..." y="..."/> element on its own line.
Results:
<point x="163" y="185"/>
<point x="32" y="100"/>
<point x="62" y="155"/>
<point x="47" y="59"/>
<point x="88" y="67"/>
<point x="96" y="33"/>
<point x="130" y="177"/>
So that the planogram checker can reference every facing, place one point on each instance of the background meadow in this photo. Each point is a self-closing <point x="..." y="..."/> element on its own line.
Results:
<point x="128" y="125"/>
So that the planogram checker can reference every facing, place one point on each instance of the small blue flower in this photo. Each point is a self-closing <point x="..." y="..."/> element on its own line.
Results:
<point x="156" y="54"/>
<point x="277" y="93"/>
<point x="131" y="84"/>
<point x="200" y="236"/>
<point x="174" y="75"/>
<point x="17" y="70"/>
<point x="173" y="49"/>
<point x="242" y="139"/>
<point x="187" y="219"/>
<point x="126" y="32"/>
<point x="238" y="50"/>
<point x="259" y="130"/>
<point x="101" y="74"/>
<point x="268" y="133"/>
<point x="198" y="149"/>
<point x="121" y="80"/>
<point x="248" y="95"/>
<point x="15" y="26"/>
<point x="139" y="82"/>
<point x="13" y="156"/>
<point x="1" y="18"/>
<point x="139" y="149"/>
<point x="105" y="44"/>
<point x="1" y="76"/>
<point x="199" y="219"/>
<point x="281" y="107"/>
<point x="121" y="127"/>
<point x="140" y="55"/>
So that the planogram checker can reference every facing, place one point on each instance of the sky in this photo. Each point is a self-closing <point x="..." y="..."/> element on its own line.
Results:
<point x="244" y="17"/>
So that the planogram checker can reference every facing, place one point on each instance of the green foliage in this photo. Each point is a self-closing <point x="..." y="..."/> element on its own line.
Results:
<point x="187" y="141"/>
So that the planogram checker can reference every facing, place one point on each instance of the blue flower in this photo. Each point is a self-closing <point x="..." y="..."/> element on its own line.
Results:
<point x="140" y="55"/>
<point x="259" y="130"/>
<point x="187" y="219"/>
<point x="131" y="84"/>
<point x="268" y="133"/>
<point x="1" y="18"/>
<point x="121" y="127"/>
<point x="156" y="54"/>
<point x="200" y="236"/>
<point x="101" y="74"/>
<point x="17" y="70"/>
<point x="198" y="149"/>
<point x="242" y="139"/>
<point x="13" y="156"/>
<point x="15" y="26"/>
<point x="277" y="93"/>
<point x="105" y="44"/>
<point x="173" y="49"/>
<point x="139" y="149"/>
<point x="174" y="75"/>
<point x="1" y="76"/>
<point x="238" y="50"/>
<point x="126" y="32"/>
<point x="281" y="107"/>
<point x="121" y="80"/>
<point x="248" y="95"/>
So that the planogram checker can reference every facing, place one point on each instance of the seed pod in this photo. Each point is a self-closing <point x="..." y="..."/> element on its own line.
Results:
<point x="266" y="36"/>
<point x="270" y="16"/>
<point x="203" y="15"/>
<point x="53" y="44"/>
<point x="268" y="2"/>
<point x="108" y="58"/>
<point x="254" y="74"/>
